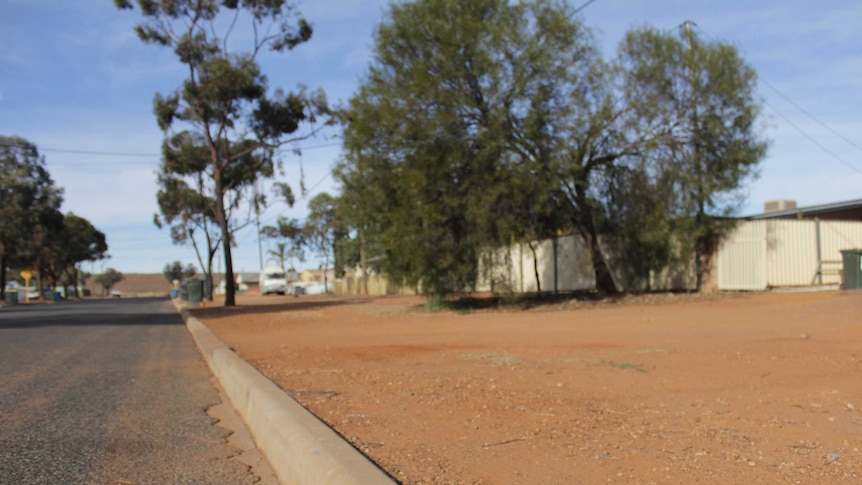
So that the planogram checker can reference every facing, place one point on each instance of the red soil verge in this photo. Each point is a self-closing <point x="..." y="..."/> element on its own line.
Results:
<point x="760" y="388"/>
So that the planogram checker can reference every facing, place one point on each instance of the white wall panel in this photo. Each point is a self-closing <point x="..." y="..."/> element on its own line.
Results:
<point x="835" y="236"/>
<point x="791" y="252"/>
<point x="742" y="265"/>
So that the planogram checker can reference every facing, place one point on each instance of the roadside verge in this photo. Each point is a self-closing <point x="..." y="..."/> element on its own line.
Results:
<point x="300" y="447"/>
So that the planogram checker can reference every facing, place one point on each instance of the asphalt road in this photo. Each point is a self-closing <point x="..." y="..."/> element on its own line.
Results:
<point x="107" y="392"/>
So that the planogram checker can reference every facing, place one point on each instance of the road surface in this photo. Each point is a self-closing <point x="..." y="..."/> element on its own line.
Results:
<point x="107" y="392"/>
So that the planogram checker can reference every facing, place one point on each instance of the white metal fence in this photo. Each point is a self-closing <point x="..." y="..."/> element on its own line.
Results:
<point x="756" y="255"/>
<point x="565" y="264"/>
<point x="769" y="253"/>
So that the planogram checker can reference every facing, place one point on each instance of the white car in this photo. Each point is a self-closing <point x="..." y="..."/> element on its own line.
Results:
<point x="273" y="280"/>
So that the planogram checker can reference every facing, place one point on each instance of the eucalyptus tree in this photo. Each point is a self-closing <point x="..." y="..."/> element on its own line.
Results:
<point x="291" y="240"/>
<point x="363" y="194"/>
<point x="715" y="145"/>
<point x="225" y="108"/>
<point x="81" y="242"/>
<point x="280" y="254"/>
<point x="489" y="122"/>
<point x="176" y="272"/>
<point x="66" y="247"/>
<point x="323" y="228"/>
<point x="29" y="204"/>
<point x="447" y="142"/>
<point x="108" y="279"/>
<point x="184" y="201"/>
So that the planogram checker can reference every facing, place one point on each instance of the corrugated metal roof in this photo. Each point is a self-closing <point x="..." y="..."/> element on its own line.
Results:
<point x="810" y="210"/>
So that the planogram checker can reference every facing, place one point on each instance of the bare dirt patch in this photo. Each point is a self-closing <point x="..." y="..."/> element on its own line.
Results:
<point x="760" y="388"/>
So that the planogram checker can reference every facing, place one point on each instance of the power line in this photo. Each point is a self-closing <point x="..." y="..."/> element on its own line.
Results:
<point x="806" y="113"/>
<point x="313" y="147"/>
<point x="589" y="2"/>
<point x="810" y="138"/>
<point x="124" y="163"/>
<point x="796" y="127"/>
<point x="145" y="155"/>
<point x="92" y="152"/>
<point x="318" y="183"/>
<point x="148" y="239"/>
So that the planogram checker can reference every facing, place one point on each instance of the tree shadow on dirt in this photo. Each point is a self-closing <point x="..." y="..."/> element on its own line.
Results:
<point x="529" y="301"/>
<point x="469" y="303"/>
<point x="288" y="306"/>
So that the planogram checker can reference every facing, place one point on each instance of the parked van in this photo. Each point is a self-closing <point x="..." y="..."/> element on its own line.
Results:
<point x="273" y="280"/>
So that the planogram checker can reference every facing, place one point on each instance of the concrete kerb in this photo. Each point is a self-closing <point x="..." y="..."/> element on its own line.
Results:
<point x="300" y="447"/>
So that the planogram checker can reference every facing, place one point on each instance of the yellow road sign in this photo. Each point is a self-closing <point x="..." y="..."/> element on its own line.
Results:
<point x="26" y="274"/>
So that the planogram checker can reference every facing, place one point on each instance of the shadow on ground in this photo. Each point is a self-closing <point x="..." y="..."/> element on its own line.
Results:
<point x="529" y="301"/>
<point x="288" y="306"/>
<point x="117" y="312"/>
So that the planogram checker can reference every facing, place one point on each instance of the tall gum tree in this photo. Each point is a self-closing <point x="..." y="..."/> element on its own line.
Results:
<point x="322" y="228"/>
<point x="224" y="105"/>
<point x="184" y="201"/>
<point x="29" y="205"/>
<point x="489" y="122"/>
<point x="715" y="145"/>
<point x="449" y="142"/>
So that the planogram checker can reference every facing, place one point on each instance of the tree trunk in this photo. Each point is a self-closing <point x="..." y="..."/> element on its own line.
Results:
<point x="221" y="216"/>
<point x="39" y="285"/>
<point x="191" y="235"/>
<point x="604" y="281"/>
<point x="556" y="273"/>
<point x="535" y="267"/>
<point x="74" y="282"/>
<point x="211" y="252"/>
<point x="325" y="265"/>
<point x="362" y="261"/>
<point x="699" y="246"/>
<point x="209" y="276"/>
<point x="3" y="262"/>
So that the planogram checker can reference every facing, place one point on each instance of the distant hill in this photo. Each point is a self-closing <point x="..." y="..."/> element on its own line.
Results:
<point x="136" y="284"/>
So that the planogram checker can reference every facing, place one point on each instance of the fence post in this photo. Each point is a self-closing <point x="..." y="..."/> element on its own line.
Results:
<point x="819" y="252"/>
<point x="556" y="289"/>
<point x="521" y="263"/>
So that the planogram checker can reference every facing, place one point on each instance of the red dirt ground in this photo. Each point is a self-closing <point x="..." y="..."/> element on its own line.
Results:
<point x="740" y="388"/>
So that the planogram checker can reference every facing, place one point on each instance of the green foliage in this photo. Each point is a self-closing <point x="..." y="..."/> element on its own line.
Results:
<point x="189" y="210"/>
<point x="714" y="147"/>
<point x="74" y="241"/>
<point x="436" y="303"/>
<point x="291" y="240"/>
<point x="223" y="124"/>
<point x="448" y="148"/>
<point x="33" y="232"/>
<point x="488" y="122"/>
<point x="280" y="254"/>
<point x="29" y="203"/>
<point x="108" y="279"/>
<point x="82" y="241"/>
<point x="176" y="272"/>
<point x="322" y="227"/>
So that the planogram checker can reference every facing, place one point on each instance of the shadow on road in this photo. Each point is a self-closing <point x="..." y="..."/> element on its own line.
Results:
<point x="117" y="312"/>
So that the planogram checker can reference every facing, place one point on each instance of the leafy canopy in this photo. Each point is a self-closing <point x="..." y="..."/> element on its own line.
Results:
<point x="223" y="126"/>
<point x="485" y="123"/>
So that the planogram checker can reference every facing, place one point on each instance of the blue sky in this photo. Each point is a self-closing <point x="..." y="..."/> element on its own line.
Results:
<point x="74" y="77"/>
